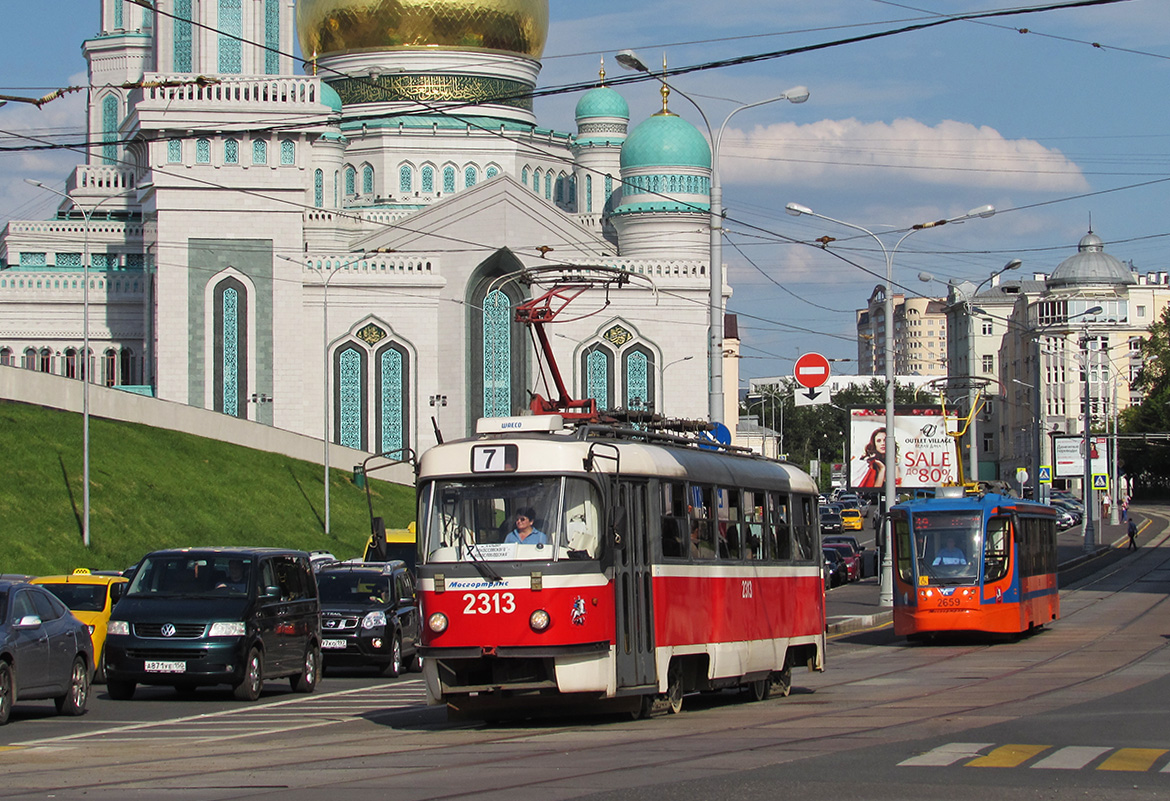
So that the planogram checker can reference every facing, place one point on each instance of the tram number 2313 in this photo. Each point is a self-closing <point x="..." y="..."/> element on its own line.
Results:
<point x="489" y="603"/>
<point x="746" y="586"/>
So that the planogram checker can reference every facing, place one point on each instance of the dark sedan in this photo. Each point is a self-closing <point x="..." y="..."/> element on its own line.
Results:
<point x="45" y="652"/>
<point x="831" y="522"/>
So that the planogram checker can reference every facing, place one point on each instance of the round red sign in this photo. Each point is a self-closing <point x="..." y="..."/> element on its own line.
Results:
<point x="812" y="370"/>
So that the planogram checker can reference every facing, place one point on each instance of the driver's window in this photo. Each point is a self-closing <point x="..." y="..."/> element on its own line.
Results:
<point x="997" y="549"/>
<point x="901" y="526"/>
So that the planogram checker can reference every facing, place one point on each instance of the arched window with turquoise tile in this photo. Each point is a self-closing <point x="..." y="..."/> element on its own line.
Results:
<point x="349" y="396"/>
<point x="231" y="152"/>
<point x="272" y="37"/>
<point x="405" y="179"/>
<point x="597" y="363"/>
<point x="110" y="129"/>
<point x="524" y="176"/>
<point x="119" y="15"/>
<point x="231" y="29"/>
<point x="367" y="180"/>
<point x="336" y="189"/>
<point x="537" y="173"/>
<point x="202" y="151"/>
<point x="548" y="182"/>
<point x="319" y="188"/>
<point x="588" y="194"/>
<point x="288" y="152"/>
<point x="231" y="347"/>
<point x="428" y="179"/>
<point x="393" y="404"/>
<point x="608" y="188"/>
<point x="638" y="378"/>
<point x="174" y="151"/>
<point x="470" y="176"/>
<point x="183" y="54"/>
<point x="350" y="181"/>
<point x="492" y="172"/>
<point x="448" y="179"/>
<point x="497" y="355"/>
<point x="259" y="151"/>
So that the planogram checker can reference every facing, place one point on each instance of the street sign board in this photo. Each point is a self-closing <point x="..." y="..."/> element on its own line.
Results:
<point x="1101" y="481"/>
<point x="810" y="397"/>
<point x="811" y="370"/>
<point x="1070" y="456"/>
<point x="1045" y="474"/>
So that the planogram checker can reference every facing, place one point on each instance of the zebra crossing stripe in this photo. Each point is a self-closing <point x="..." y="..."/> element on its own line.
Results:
<point x="1139" y="759"/>
<point x="945" y="755"/>
<point x="1008" y="756"/>
<point x="1072" y="757"/>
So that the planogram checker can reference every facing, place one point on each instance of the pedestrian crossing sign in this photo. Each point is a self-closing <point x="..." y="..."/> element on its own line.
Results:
<point x="1101" y="481"/>
<point x="1045" y="474"/>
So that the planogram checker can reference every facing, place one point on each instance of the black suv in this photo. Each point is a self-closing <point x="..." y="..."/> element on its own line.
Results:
<point x="198" y="616"/>
<point x="369" y="616"/>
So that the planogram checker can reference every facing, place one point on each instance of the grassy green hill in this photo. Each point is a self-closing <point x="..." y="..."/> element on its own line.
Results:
<point x="152" y="488"/>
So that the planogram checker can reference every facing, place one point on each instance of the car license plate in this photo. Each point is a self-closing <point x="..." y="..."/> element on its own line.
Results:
<point x="166" y="667"/>
<point x="333" y="644"/>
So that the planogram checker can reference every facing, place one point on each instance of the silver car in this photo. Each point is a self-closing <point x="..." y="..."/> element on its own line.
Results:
<point x="45" y="652"/>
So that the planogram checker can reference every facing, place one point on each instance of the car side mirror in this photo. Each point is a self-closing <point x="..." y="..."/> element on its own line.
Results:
<point x="117" y="591"/>
<point x="272" y="592"/>
<point x="29" y="622"/>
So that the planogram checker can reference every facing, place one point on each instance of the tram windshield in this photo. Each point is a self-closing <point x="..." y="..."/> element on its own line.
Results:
<point x="948" y="545"/>
<point x="491" y="520"/>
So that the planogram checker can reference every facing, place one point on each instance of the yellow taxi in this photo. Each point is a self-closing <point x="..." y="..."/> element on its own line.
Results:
<point x="851" y="519"/>
<point x="91" y="598"/>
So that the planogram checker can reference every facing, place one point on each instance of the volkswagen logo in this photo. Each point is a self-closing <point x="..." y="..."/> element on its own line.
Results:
<point x="167" y="630"/>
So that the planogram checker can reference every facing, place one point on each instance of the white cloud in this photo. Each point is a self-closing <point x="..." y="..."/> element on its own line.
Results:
<point x="849" y="151"/>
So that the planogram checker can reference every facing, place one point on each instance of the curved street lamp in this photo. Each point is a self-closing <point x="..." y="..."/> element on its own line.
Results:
<point x="887" y="581"/>
<point x="797" y="94"/>
<point x="87" y="215"/>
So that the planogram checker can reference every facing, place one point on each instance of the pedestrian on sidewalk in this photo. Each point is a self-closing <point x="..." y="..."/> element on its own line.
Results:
<point x="1131" y="529"/>
<point x="1125" y="509"/>
<point x="1104" y="508"/>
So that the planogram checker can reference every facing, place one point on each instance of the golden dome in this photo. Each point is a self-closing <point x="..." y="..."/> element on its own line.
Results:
<point x="345" y="26"/>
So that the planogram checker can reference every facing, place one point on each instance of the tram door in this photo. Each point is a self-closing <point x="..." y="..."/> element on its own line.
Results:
<point x="632" y="577"/>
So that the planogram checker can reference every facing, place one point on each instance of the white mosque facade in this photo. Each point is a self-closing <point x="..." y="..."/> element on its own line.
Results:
<point x="265" y="243"/>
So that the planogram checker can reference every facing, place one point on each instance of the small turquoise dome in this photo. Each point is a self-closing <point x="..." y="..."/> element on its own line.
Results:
<point x="666" y="140"/>
<point x="602" y="102"/>
<point x="329" y="97"/>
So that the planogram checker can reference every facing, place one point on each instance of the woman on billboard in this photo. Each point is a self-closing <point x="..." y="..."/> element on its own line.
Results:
<point x="870" y="468"/>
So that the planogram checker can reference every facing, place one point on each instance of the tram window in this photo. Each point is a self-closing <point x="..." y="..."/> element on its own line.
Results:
<point x="996" y="549"/>
<point x="582" y="520"/>
<point x="779" y="531"/>
<point x="674" y="521"/>
<point x="901" y="525"/>
<point x="730" y="524"/>
<point x="803" y="527"/>
<point x="753" y="529"/>
<point x="702" y="536"/>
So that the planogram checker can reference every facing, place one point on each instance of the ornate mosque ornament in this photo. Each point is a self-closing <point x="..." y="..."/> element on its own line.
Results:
<point x="618" y="335"/>
<point x="397" y="88"/>
<point x="371" y="334"/>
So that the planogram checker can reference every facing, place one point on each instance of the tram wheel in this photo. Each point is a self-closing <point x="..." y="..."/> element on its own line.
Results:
<point x="644" y="709"/>
<point x="760" y="690"/>
<point x="674" y="688"/>
<point x="781" y="682"/>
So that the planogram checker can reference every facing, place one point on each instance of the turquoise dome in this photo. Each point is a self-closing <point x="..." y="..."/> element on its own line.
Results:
<point x="602" y="102"/>
<point x="329" y="97"/>
<point x="666" y="140"/>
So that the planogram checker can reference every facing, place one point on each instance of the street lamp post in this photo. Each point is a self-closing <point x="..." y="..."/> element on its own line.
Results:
<point x="886" y="597"/>
<point x="661" y="380"/>
<point x="87" y="216"/>
<point x="798" y="94"/>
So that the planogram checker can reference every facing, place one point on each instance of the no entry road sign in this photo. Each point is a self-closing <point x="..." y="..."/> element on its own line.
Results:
<point x="812" y="370"/>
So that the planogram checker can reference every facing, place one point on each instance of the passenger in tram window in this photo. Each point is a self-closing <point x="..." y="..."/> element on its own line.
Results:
<point x="729" y="546"/>
<point x="525" y="532"/>
<point x="950" y="554"/>
<point x="672" y="541"/>
<point x="701" y="545"/>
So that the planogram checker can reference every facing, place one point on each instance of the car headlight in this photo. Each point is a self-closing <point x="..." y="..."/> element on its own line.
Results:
<point x="373" y="619"/>
<point x="90" y="630"/>
<point x="233" y="628"/>
<point x="118" y="627"/>
<point x="437" y="622"/>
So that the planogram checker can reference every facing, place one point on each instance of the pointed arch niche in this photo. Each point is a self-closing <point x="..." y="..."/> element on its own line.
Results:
<point x="372" y="388"/>
<point x="230" y="337"/>
<point x="497" y="358"/>
<point x="619" y="369"/>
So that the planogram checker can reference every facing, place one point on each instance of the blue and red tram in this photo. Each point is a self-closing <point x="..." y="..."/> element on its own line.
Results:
<point x="973" y="563"/>
<point x="602" y="568"/>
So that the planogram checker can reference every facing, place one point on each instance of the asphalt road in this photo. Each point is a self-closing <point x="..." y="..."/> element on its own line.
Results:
<point x="1080" y="708"/>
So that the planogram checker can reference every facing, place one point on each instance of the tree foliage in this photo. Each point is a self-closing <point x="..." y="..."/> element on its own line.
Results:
<point x="1148" y="461"/>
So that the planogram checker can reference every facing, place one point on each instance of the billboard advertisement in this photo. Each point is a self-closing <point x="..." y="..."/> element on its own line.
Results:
<point x="1070" y="456"/>
<point x="925" y="453"/>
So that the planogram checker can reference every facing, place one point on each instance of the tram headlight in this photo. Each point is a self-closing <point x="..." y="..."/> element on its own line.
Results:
<point x="437" y="622"/>
<point x="539" y="620"/>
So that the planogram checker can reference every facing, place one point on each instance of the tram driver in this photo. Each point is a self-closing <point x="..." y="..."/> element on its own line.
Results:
<point x="525" y="532"/>
<point x="950" y="555"/>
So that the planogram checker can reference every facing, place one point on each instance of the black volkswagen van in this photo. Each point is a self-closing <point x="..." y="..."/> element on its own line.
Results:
<point x="202" y="616"/>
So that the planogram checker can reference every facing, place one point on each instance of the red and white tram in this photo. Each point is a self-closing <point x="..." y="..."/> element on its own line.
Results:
<point x="658" y="566"/>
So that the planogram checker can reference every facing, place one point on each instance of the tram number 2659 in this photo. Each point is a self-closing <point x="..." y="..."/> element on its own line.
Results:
<point x="489" y="603"/>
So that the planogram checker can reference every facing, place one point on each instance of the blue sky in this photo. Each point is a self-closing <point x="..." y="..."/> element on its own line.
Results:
<point x="1047" y="127"/>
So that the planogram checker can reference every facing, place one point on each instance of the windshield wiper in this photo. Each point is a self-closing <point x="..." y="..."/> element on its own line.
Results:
<point x="481" y="566"/>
